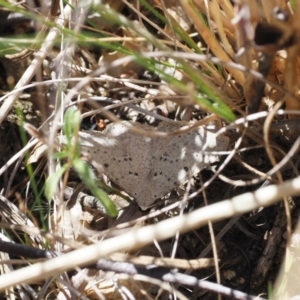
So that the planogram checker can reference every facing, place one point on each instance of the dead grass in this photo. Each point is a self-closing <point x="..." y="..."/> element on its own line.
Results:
<point x="191" y="63"/>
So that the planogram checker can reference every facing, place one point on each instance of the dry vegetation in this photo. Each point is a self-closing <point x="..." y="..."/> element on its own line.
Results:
<point x="66" y="67"/>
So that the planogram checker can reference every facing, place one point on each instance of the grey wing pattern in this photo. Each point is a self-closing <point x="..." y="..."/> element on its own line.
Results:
<point x="147" y="167"/>
<point x="122" y="153"/>
<point x="179" y="158"/>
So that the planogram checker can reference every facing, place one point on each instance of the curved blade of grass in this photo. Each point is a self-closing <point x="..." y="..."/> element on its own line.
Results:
<point x="176" y="27"/>
<point x="52" y="181"/>
<point x="214" y="104"/>
<point x="61" y="155"/>
<point x="72" y="120"/>
<point x="111" y="190"/>
<point x="88" y="177"/>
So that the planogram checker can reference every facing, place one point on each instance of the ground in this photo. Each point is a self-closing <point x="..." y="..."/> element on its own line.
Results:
<point x="124" y="73"/>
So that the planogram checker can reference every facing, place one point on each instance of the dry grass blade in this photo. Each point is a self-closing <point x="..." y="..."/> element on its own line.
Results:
<point x="210" y="39"/>
<point x="142" y="236"/>
<point x="157" y="121"/>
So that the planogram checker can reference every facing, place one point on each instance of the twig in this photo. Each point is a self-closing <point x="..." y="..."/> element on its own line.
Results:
<point x="161" y="273"/>
<point x="139" y="237"/>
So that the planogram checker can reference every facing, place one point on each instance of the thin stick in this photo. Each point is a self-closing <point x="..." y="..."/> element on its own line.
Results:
<point x="140" y="237"/>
